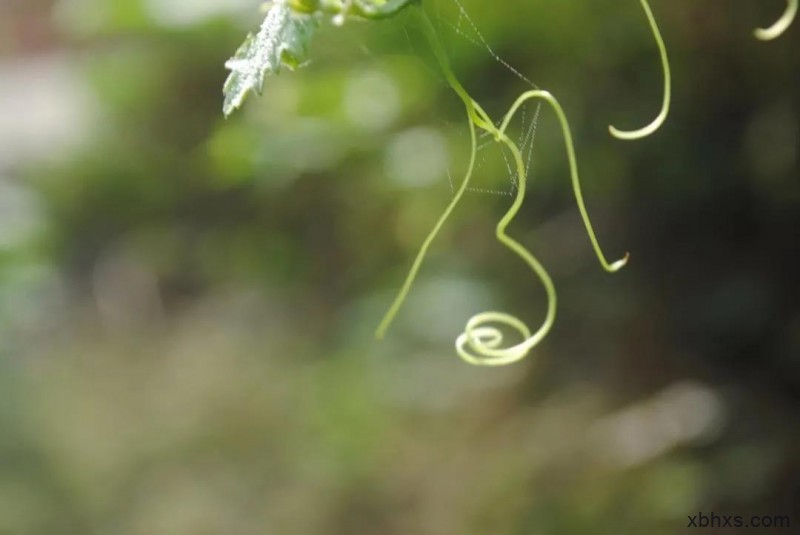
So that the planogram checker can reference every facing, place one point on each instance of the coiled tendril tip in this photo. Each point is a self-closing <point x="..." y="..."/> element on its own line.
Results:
<point x="781" y="25"/>
<point x="640" y="133"/>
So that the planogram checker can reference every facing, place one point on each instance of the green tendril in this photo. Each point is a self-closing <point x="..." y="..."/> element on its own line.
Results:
<point x="473" y="119"/>
<point x="283" y="42"/>
<point x="482" y="340"/>
<point x="781" y="25"/>
<point x="665" y="103"/>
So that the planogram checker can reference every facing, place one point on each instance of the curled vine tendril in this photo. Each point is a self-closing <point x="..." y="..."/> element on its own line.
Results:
<point x="665" y="102"/>
<point x="781" y="25"/>
<point x="482" y="340"/>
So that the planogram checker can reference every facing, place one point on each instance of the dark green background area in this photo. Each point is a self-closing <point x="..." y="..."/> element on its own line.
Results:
<point x="187" y="303"/>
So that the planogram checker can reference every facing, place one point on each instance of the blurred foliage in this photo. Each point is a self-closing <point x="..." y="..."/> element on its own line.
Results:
<point x="187" y="303"/>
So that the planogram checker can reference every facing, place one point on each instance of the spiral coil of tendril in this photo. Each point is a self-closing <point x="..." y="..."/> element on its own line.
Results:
<point x="481" y="344"/>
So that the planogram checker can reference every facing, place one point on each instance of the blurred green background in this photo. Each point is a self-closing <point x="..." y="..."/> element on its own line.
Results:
<point x="187" y="303"/>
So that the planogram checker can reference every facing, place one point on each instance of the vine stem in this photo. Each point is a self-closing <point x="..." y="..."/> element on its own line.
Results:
<point x="667" y="93"/>
<point x="482" y="340"/>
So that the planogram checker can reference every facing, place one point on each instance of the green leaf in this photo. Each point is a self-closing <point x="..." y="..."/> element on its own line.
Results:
<point x="282" y="41"/>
